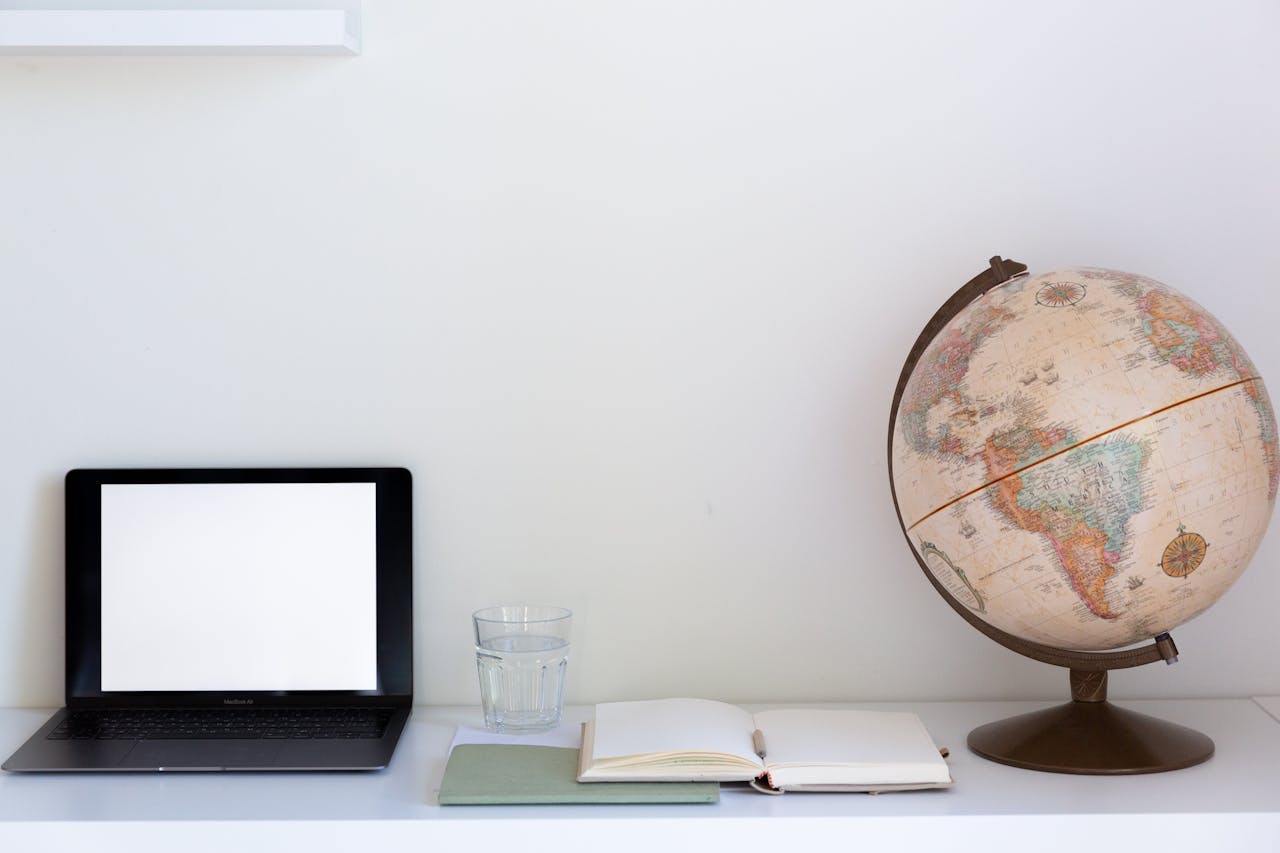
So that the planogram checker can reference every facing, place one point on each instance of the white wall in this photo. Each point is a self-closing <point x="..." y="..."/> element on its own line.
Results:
<point x="627" y="285"/>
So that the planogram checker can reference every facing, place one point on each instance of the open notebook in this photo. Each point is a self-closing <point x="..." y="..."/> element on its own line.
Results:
<point x="804" y="749"/>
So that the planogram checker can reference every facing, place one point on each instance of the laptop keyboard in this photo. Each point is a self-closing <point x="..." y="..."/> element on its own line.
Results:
<point x="154" y="724"/>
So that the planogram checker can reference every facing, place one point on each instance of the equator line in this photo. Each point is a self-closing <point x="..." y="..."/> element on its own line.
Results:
<point x="1106" y="432"/>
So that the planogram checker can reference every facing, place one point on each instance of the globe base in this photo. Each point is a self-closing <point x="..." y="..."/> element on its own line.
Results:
<point x="1091" y="736"/>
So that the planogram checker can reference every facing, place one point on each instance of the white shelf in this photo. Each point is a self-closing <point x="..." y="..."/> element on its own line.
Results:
<point x="179" y="31"/>
<point x="1231" y="802"/>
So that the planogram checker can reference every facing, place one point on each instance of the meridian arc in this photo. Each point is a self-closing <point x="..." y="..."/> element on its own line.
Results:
<point x="1105" y="432"/>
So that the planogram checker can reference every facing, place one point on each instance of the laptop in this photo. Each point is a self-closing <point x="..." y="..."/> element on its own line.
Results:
<point x="233" y="619"/>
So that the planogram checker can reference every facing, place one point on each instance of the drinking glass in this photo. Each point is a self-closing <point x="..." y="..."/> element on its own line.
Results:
<point x="522" y="652"/>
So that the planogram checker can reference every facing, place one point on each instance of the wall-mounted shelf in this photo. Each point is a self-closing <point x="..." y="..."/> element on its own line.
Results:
<point x="1231" y="802"/>
<point x="180" y="31"/>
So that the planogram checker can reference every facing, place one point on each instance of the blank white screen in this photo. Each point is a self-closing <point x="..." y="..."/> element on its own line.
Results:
<point x="239" y="586"/>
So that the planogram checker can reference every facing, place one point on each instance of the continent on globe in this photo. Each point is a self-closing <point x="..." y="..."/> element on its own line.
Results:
<point x="1068" y="444"/>
<point x="1188" y="337"/>
<point x="944" y="378"/>
<point x="1082" y="502"/>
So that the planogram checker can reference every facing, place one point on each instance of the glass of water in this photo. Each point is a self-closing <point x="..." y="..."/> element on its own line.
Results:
<point x="522" y="652"/>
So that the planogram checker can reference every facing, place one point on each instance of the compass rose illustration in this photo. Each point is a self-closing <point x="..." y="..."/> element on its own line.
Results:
<point x="1184" y="554"/>
<point x="1059" y="293"/>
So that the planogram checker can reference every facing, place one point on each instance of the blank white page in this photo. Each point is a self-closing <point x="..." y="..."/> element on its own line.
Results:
<point x="672" y="725"/>
<point x="825" y="736"/>
<point x="239" y="586"/>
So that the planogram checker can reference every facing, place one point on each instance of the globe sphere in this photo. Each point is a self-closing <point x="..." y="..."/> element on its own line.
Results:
<point x="1085" y="458"/>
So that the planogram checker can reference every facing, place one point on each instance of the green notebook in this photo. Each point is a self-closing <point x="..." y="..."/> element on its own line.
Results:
<point x="509" y="774"/>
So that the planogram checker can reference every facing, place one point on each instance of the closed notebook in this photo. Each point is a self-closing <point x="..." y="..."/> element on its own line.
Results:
<point x="510" y="774"/>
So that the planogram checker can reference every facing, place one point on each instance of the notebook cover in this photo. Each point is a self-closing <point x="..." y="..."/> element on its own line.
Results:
<point x="509" y="774"/>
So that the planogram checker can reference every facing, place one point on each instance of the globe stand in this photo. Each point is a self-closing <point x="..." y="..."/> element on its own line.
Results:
<point x="1088" y="735"/>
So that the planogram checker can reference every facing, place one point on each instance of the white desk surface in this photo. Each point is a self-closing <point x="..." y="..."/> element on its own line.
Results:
<point x="1232" y="802"/>
<point x="1270" y="704"/>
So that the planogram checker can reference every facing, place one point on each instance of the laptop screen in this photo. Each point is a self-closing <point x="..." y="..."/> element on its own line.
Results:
<point x="239" y="586"/>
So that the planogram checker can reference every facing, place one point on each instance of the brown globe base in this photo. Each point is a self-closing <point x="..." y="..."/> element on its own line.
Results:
<point x="1090" y="736"/>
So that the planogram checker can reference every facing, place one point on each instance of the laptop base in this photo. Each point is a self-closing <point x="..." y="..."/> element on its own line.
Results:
<point x="40" y="754"/>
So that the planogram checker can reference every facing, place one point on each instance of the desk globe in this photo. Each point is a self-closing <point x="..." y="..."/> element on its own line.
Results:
<point x="1082" y="460"/>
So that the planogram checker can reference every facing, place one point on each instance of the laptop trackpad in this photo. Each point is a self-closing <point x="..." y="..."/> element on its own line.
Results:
<point x="217" y="754"/>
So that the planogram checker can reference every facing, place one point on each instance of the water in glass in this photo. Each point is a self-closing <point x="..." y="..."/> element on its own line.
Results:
<point x="522" y="682"/>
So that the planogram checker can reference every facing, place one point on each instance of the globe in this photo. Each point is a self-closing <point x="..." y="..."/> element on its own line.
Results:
<point x="1082" y="460"/>
<point x="1085" y="458"/>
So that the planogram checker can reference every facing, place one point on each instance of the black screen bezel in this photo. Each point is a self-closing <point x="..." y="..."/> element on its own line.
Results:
<point x="394" y="526"/>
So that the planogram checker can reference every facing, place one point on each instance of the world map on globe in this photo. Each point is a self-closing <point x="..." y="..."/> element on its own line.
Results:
<point x="1085" y="458"/>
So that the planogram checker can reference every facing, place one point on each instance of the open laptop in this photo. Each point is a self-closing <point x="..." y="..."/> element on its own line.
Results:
<point x="233" y="619"/>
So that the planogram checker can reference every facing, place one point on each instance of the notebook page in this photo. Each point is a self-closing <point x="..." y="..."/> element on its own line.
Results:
<point x="672" y="725"/>
<point x="825" y="737"/>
